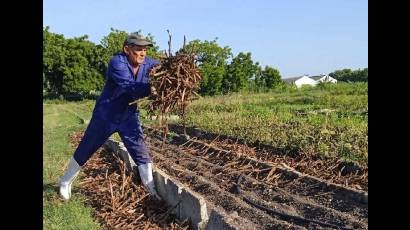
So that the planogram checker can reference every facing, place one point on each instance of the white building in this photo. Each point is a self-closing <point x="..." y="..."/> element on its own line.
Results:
<point x="324" y="78"/>
<point x="307" y="80"/>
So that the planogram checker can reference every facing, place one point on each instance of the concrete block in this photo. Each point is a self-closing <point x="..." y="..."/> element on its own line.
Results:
<point x="193" y="206"/>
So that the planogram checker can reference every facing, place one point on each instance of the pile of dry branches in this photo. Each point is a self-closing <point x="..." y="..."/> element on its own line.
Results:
<point x="174" y="82"/>
<point x="118" y="202"/>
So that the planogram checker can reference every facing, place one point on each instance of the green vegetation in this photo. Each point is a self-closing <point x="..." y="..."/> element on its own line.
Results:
<point x="60" y="119"/>
<point x="329" y="120"/>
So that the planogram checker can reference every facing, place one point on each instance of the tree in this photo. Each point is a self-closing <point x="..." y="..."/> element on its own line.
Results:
<point x="341" y="75"/>
<point x="112" y="43"/>
<point x="54" y="55"/>
<point x="69" y="65"/>
<point x="80" y="75"/>
<point x="78" y="66"/>
<point x="360" y="75"/>
<point x="212" y="62"/>
<point x="271" y="77"/>
<point x="347" y="75"/>
<point x="240" y="72"/>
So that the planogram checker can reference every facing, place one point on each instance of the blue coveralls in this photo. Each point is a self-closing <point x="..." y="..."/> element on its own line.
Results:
<point x="113" y="114"/>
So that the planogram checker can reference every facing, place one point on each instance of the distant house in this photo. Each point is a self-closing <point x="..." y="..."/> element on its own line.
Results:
<point x="309" y="80"/>
<point x="324" y="78"/>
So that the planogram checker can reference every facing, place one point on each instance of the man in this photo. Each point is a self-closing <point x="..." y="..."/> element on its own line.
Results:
<point x="127" y="79"/>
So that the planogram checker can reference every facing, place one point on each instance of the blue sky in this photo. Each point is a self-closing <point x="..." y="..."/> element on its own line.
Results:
<point x="295" y="36"/>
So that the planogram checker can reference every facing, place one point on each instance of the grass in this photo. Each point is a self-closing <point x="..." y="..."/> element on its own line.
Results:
<point x="327" y="120"/>
<point x="60" y="119"/>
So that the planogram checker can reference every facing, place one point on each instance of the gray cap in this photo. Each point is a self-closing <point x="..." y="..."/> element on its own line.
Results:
<point x="136" y="39"/>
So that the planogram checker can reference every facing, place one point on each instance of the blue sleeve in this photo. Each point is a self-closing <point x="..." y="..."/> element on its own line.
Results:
<point x="152" y="63"/>
<point x="118" y="71"/>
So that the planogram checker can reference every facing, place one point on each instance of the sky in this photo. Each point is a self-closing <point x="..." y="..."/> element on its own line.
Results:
<point x="296" y="37"/>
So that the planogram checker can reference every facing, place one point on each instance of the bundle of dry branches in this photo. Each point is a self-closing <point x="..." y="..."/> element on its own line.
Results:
<point x="118" y="202"/>
<point x="174" y="84"/>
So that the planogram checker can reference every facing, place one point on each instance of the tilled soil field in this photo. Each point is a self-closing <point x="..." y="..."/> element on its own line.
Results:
<point x="264" y="189"/>
<point x="273" y="195"/>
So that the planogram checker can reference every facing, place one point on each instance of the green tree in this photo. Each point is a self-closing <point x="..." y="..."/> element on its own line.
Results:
<point x="341" y="75"/>
<point x="360" y="75"/>
<point x="54" y="54"/>
<point x="80" y="73"/>
<point x="112" y="44"/>
<point x="240" y="72"/>
<point x="271" y="77"/>
<point x="78" y="66"/>
<point x="212" y="62"/>
<point x="69" y="65"/>
<point x="347" y="75"/>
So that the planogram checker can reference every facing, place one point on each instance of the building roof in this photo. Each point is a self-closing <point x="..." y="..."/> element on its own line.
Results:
<point x="291" y="79"/>
<point x="317" y="77"/>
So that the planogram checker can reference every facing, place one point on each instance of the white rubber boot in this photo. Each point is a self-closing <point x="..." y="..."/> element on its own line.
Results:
<point x="145" y="171"/>
<point x="67" y="179"/>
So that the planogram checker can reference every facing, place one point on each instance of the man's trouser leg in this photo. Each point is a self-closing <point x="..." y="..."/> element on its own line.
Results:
<point x="132" y="135"/>
<point x="96" y="134"/>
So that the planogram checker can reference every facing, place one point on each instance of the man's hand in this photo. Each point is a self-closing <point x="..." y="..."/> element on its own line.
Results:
<point x="154" y="71"/>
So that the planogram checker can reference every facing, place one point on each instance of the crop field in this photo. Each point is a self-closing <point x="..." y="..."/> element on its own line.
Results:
<point x="299" y="153"/>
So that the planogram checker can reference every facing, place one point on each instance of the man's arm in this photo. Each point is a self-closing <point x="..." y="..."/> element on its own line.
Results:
<point x="152" y="63"/>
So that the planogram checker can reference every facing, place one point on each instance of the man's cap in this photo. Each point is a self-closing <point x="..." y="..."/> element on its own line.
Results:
<point x="136" y="39"/>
